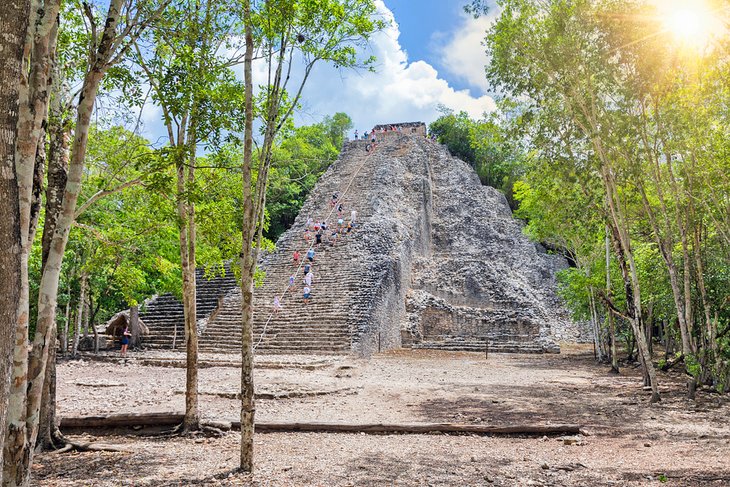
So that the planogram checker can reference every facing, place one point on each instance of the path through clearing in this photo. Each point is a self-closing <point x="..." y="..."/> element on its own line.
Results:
<point x="629" y="441"/>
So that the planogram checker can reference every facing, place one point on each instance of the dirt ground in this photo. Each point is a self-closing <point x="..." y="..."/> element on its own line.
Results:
<point x="627" y="440"/>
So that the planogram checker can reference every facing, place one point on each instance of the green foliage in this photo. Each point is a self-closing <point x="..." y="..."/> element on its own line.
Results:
<point x="298" y="162"/>
<point x="693" y="366"/>
<point x="487" y="145"/>
<point x="611" y="110"/>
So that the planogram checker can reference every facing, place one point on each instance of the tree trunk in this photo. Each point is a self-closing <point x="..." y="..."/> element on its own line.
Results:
<point x="134" y="327"/>
<point x="14" y="25"/>
<point x="48" y="427"/>
<point x="622" y="245"/>
<point x="649" y="323"/>
<point x="79" y="315"/>
<point x="609" y="315"/>
<point x="247" y="261"/>
<point x="67" y="316"/>
<point x="87" y="312"/>
<point x="187" y="257"/>
<point x="596" y="326"/>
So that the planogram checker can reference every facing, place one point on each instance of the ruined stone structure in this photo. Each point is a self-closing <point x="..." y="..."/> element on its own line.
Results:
<point x="403" y="128"/>
<point x="163" y="315"/>
<point x="436" y="261"/>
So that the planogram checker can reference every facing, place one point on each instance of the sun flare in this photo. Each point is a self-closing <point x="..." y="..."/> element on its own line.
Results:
<point x="692" y="23"/>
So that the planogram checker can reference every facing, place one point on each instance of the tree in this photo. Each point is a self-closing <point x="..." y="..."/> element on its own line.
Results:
<point x="194" y="85"/>
<point x="564" y="70"/>
<point x="615" y="102"/>
<point x="14" y="24"/>
<point x="123" y="22"/>
<point x="298" y="161"/>
<point x="489" y="145"/>
<point x="452" y="130"/>
<point x="288" y="33"/>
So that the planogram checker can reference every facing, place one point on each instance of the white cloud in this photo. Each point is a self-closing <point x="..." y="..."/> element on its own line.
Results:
<point x="464" y="54"/>
<point x="399" y="90"/>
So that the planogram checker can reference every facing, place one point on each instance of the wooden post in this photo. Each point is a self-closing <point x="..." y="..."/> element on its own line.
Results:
<point x="134" y="327"/>
<point x="486" y="348"/>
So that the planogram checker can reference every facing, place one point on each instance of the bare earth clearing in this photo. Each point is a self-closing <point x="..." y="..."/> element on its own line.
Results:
<point x="629" y="442"/>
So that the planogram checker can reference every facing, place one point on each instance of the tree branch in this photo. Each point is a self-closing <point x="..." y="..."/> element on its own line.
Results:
<point x="106" y="192"/>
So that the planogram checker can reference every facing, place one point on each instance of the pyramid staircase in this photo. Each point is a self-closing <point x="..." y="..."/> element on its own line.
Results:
<point x="435" y="261"/>
<point x="325" y="325"/>
<point x="164" y="317"/>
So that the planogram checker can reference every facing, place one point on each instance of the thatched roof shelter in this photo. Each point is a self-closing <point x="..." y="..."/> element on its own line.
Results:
<point x="115" y="326"/>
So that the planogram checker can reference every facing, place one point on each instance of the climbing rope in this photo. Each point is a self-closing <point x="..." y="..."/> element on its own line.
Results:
<point x="311" y="246"/>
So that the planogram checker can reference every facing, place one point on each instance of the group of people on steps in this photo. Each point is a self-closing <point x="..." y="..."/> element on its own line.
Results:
<point x="317" y="234"/>
<point x="370" y="136"/>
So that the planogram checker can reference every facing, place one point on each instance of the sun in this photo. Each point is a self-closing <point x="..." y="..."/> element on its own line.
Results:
<point x="692" y="23"/>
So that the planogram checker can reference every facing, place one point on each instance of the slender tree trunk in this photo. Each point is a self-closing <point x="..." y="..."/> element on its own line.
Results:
<point x="649" y="324"/>
<point x="609" y="315"/>
<point x="14" y="17"/>
<point x="187" y="256"/>
<point x="79" y="315"/>
<point x="596" y="326"/>
<point x="67" y="316"/>
<point x="629" y="272"/>
<point x="665" y="242"/>
<point x="710" y="325"/>
<point x="134" y="327"/>
<point x="247" y="261"/>
<point x="87" y="313"/>
<point x="48" y="427"/>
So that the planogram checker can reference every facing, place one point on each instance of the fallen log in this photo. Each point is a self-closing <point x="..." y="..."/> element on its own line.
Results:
<point x="73" y="446"/>
<point x="118" y="420"/>
<point x="168" y="419"/>
<point x="416" y="428"/>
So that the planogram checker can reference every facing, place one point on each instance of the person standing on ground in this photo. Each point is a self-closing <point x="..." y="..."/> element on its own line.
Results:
<point x="353" y="215"/>
<point x="307" y="268"/>
<point x="307" y="293"/>
<point x="125" y="340"/>
<point x="318" y="237"/>
<point x="310" y="255"/>
<point x="277" y="304"/>
<point x="296" y="257"/>
<point x="355" y="134"/>
<point x="291" y="281"/>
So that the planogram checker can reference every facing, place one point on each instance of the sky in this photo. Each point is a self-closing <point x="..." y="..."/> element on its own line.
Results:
<point x="431" y="54"/>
